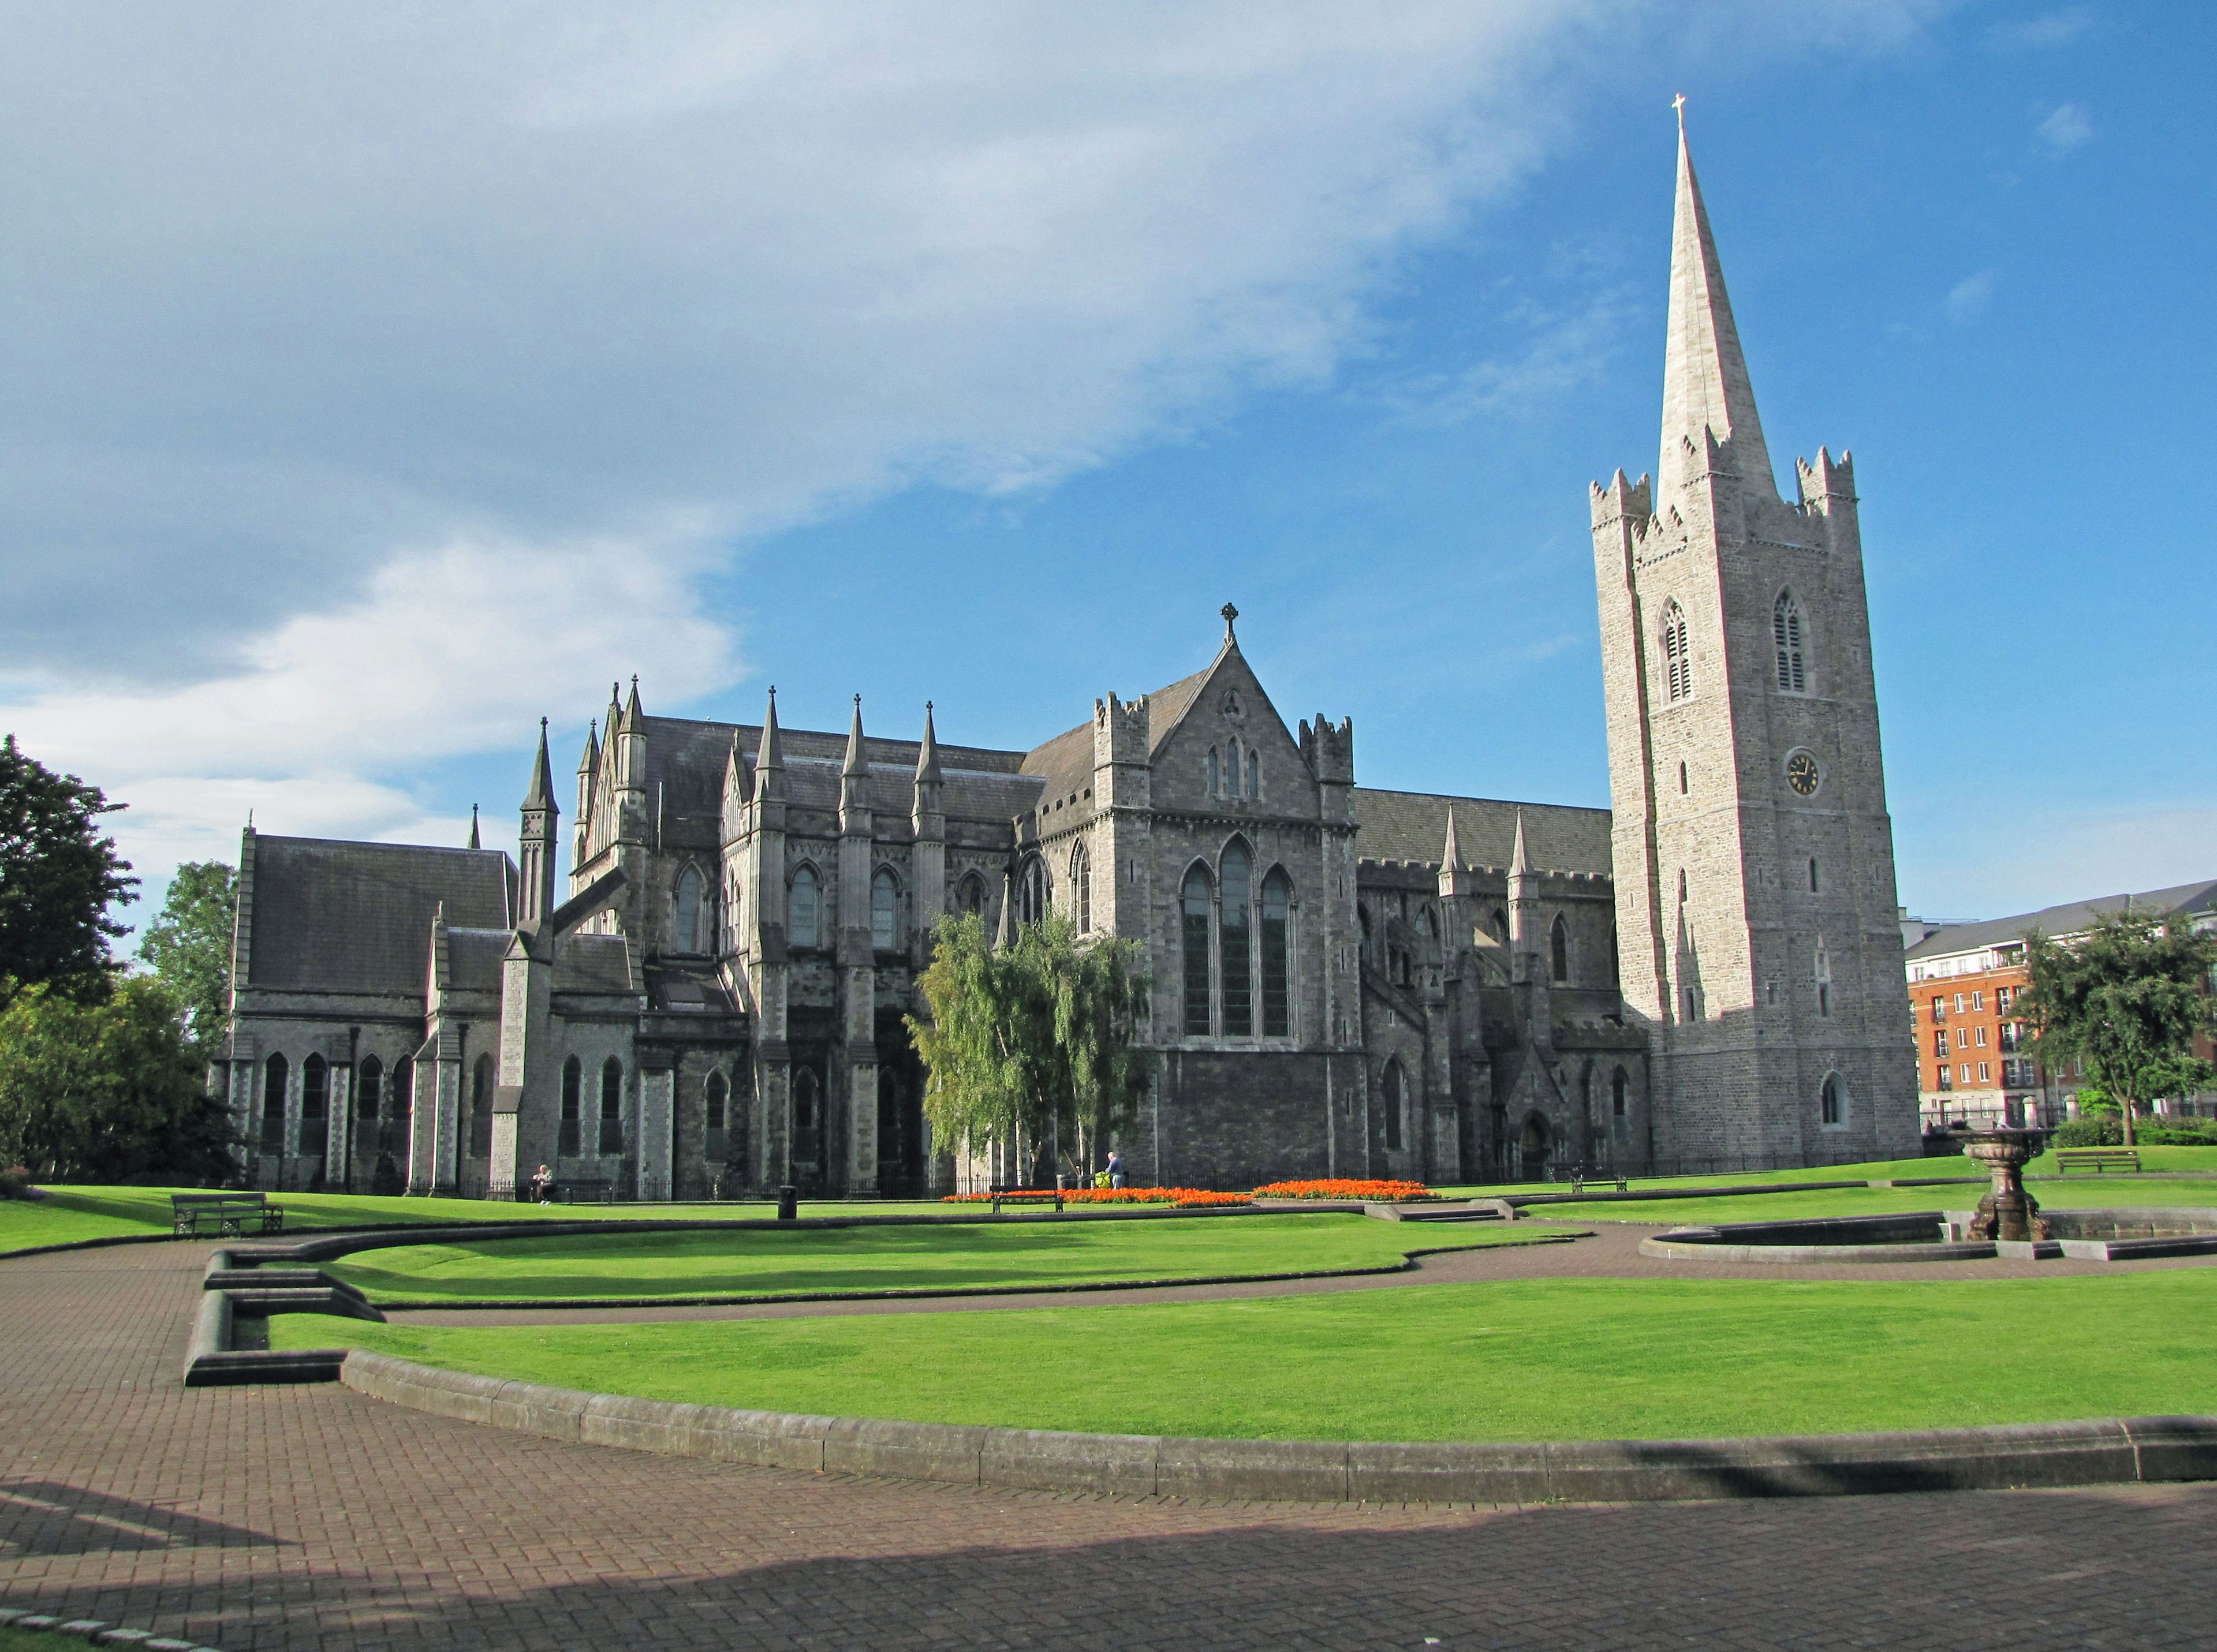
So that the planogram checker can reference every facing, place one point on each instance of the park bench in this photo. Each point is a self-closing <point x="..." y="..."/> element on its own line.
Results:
<point x="1016" y="1195"/>
<point x="585" y="1193"/>
<point x="225" y="1214"/>
<point x="1585" y="1176"/>
<point x="2100" y="1160"/>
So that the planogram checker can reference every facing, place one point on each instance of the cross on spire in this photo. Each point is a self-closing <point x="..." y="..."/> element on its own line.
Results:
<point x="1679" y="104"/>
<point x="1230" y="613"/>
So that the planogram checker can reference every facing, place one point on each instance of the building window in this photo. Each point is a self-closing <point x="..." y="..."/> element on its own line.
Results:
<point x="1984" y="1069"/>
<point x="612" y="1132"/>
<point x="1977" y="1000"/>
<point x="1499" y="925"/>
<point x="1393" y="1088"/>
<point x="1232" y="769"/>
<point x="1693" y="1006"/>
<point x="1940" y="1041"/>
<point x="885" y="912"/>
<point x="1277" y="901"/>
<point x="1212" y="762"/>
<point x="368" y="1081"/>
<point x="398" y="1110"/>
<point x="275" y="1074"/>
<point x="1786" y="634"/>
<point x="1966" y="1072"/>
<point x="1031" y="892"/>
<point x="1823" y="975"/>
<point x="1959" y="1003"/>
<point x="1939" y="1010"/>
<point x="1194" y="904"/>
<point x="1234" y="938"/>
<point x="1254" y="776"/>
<point x="481" y="1108"/>
<point x="1678" y="663"/>
<point x="805" y="907"/>
<point x="1982" y="1037"/>
<point x="567" y="1143"/>
<point x="1617" y="1083"/>
<point x="685" y="913"/>
<point x="1813" y="887"/>
<point x="1681" y="780"/>
<point x="1559" y="950"/>
<point x="315" y="1106"/>
<point x="1831" y="1103"/>
<point x="715" y="1095"/>
<point x="970" y="894"/>
<point x="1081" y="888"/>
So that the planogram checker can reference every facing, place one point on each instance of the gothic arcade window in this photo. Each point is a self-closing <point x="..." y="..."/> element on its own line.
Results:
<point x="970" y="894"/>
<point x="1031" y="892"/>
<point x="1081" y="888"/>
<point x="1232" y="769"/>
<point x="1786" y="636"/>
<point x="368" y="1081"/>
<point x="685" y="913"/>
<point x="1617" y="1083"/>
<point x="1823" y="977"/>
<point x="885" y="912"/>
<point x="1254" y="776"/>
<point x="1212" y="762"/>
<point x="315" y="1106"/>
<point x="1194" y="922"/>
<point x="275" y="1074"/>
<point x="1277" y="900"/>
<point x="397" y="1109"/>
<point x="1233" y="939"/>
<point x="1559" y="950"/>
<point x="1394" y="1089"/>
<point x="568" y="1143"/>
<point x="715" y="1093"/>
<point x="1498" y="923"/>
<point x="612" y="1106"/>
<point x="481" y="1108"/>
<point x="1677" y="662"/>
<point x="1831" y="1107"/>
<point x="804" y="912"/>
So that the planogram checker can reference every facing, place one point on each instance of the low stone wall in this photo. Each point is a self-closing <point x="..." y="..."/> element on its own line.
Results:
<point x="2142" y="1449"/>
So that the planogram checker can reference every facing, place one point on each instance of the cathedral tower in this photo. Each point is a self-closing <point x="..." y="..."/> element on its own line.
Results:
<point x="1752" y="849"/>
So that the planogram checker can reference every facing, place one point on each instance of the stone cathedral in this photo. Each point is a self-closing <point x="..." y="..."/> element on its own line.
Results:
<point x="1346" y="981"/>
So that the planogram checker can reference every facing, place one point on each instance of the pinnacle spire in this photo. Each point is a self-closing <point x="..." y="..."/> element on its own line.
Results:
<point x="1520" y="862"/>
<point x="1705" y="384"/>
<point x="473" y="827"/>
<point x="769" y="758"/>
<point x="927" y="754"/>
<point x="591" y="759"/>
<point x="856" y="763"/>
<point x="541" y="795"/>
<point x="1451" y="854"/>
<point x="633" y="718"/>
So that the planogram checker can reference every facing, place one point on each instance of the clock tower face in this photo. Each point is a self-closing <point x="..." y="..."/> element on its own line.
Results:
<point x="1802" y="773"/>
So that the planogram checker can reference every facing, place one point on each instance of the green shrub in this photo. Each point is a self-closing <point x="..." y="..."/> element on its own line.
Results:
<point x="2100" y="1130"/>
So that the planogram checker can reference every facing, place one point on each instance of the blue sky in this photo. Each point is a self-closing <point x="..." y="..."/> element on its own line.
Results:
<point x="370" y="397"/>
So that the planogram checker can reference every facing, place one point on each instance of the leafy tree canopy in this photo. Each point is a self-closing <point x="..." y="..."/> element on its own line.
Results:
<point x="1031" y="1042"/>
<point x="107" y="1091"/>
<point x="59" y="878"/>
<point x="2124" y="1000"/>
<point x="188" y="946"/>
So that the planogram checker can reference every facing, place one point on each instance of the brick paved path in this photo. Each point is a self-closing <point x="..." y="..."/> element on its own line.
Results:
<point x="311" y="1517"/>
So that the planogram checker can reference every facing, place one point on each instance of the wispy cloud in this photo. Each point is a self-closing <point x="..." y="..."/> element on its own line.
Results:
<point x="2043" y="33"/>
<point x="1968" y="297"/>
<point x="1557" y="353"/>
<point x="2066" y="128"/>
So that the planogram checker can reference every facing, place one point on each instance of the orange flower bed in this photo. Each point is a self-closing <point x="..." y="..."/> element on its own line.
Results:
<point x="1344" y="1188"/>
<point x="1187" y="1197"/>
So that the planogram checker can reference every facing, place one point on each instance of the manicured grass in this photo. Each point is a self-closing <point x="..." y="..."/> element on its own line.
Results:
<point x="2173" y="1161"/>
<point x="26" y="1222"/>
<point x="760" y="1262"/>
<point x="2065" y="1194"/>
<point x="1536" y="1359"/>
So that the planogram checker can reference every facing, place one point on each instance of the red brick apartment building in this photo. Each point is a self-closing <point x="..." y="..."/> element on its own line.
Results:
<point x="1964" y="979"/>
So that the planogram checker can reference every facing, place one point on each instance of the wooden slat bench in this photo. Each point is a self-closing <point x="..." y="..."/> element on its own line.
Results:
<point x="225" y="1214"/>
<point x="1016" y="1195"/>
<point x="585" y="1193"/>
<point x="1583" y="1176"/>
<point x="2099" y="1160"/>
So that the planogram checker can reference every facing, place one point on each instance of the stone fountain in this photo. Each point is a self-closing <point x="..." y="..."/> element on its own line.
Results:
<point x="2007" y="1211"/>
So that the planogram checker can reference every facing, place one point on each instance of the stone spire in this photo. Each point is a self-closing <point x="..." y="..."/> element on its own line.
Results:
<point x="769" y="760"/>
<point x="1454" y="877"/>
<point x="1523" y="908"/>
<point x="1705" y="385"/>
<point x="1520" y="861"/>
<point x="927" y="754"/>
<point x="632" y="716"/>
<point x="535" y="843"/>
<point x="541" y="794"/>
<point x="854" y="773"/>
<point x="473" y="827"/>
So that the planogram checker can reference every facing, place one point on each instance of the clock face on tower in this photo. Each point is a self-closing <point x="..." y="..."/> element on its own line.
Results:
<point x="1802" y="773"/>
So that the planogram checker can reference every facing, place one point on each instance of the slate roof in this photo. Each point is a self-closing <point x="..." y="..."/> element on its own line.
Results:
<point x="2069" y="919"/>
<point x="1413" y="826"/>
<point x="1065" y="764"/>
<point x="593" y="963"/>
<point x="473" y="957"/>
<point x="356" y="917"/>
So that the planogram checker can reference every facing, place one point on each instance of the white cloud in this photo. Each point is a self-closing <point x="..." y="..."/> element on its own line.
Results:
<point x="2066" y="129"/>
<point x="2044" y="33"/>
<point x="1968" y="298"/>
<point x="1559" y="353"/>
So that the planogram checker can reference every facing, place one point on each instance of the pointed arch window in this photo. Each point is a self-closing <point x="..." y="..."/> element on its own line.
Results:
<point x="1194" y="904"/>
<point x="970" y="894"/>
<point x="1832" y="1102"/>
<point x="1277" y="973"/>
<point x="567" y="1143"/>
<point x="1677" y="662"/>
<point x="481" y="1108"/>
<point x="612" y="1131"/>
<point x="1234" y="928"/>
<point x="1617" y="1084"/>
<point x="1396" y="1098"/>
<point x="1254" y="776"/>
<point x="1823" y="977"/>
<point x="1232" y="769"/>
<point x="399" y="1110"/>
<point x="714" y="1095"/>
<point x="885" y="912"/>
<point x="315" y="1106"/>
<point x="1559" y="950"/>
<point x="1213" y="771"/>
<point x="1785" y="635"/>
<point x="1081" y="888"/>
<point x="275" y="1074"/>
<point x="1498" y="923"/>
<point x="368" y="1083"/>
<point x="1032" y="892"/>
<point x="685" y="913"/>
<point x="804" y="910"/>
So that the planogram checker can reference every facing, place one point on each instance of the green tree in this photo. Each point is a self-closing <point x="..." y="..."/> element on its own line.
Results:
<point x="188" y="946"/>
<point x="59" y="878"/>
<point x="2124" y="1000"/>
<point x="107" y="1091"/>
<point x="1031" y="1042"/>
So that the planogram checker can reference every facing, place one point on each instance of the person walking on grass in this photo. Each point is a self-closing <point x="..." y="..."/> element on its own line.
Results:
<point x="1116" y="1168"/>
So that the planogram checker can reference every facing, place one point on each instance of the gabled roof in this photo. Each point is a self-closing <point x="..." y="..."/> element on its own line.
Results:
<point x="2071" y="918"/>
<point x="1413" y="826"/>
<point x="356" y="917"/>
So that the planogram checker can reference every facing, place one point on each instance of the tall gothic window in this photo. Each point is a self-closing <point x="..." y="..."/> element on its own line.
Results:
<point x="315" y="1110"/>
<point x="275" y="1075"/>
<point x="804" y="911"/>
<point x="399" y="1110"/>
<point x="612" y="1107"/>
<point x="1212" y="760"/>
<point x="1559" y="950"/>
<point x="1678" y="663"/>
<point x="1031" y="892"/>
<point x="1277" y="899"/>
<point x="1395" y="1099"/>
<point x="1234" y="938"/>
<point x="368" y="1081"/>
<point x="970" y="894"/>
<point x="1824" y="975"/>
<point x="1232" y="769"/>
<point x="567" y="1144"/>
<point x="1195" y="922"/>
<point x="481" y="1108"/>
<point x="1617" y="1088"/>
<point x="1081" y="888"/>
<point x="885" y="912"/>
<point x="1499" y="925"/>
<point x="1785" y="633"/>
<point x="1832" y="1109"/>
<point x="714" y="1094"/>
<point x="1254" y="776"/>
<point x="685" y="913"/>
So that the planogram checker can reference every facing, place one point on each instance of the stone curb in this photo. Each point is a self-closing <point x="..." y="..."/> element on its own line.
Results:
<point x="97" y="1632"/>
<point x="2135" y="1451"/>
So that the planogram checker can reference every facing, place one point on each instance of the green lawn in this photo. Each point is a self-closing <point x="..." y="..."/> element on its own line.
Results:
<point x="2173" y="1161"/>
<point x="2071" y="1193"/>
<point x="770" y="1262"/>
<point x="1537" y="1359"/>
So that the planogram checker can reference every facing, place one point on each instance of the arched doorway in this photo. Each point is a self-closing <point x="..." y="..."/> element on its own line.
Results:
<point x="1532" y="1149"/>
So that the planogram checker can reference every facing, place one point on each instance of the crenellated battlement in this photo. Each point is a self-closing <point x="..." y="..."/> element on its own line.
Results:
<point x="1329" y="751"/>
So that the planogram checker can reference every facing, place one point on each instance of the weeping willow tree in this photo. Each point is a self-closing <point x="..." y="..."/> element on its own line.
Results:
<point x="1031" y="1042"/>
